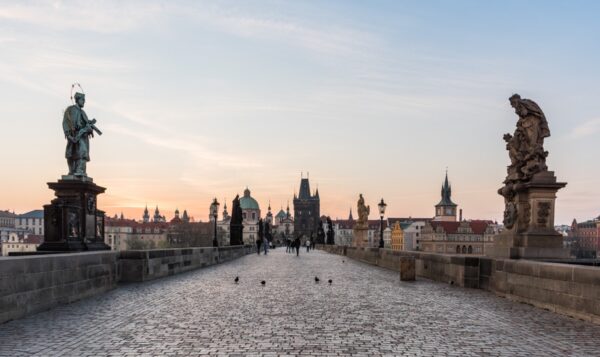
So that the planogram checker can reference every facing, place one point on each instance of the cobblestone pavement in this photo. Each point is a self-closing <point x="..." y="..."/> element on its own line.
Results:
<point x="367" y="311"/>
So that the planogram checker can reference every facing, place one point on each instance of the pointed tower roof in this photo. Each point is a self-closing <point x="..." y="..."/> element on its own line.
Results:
<point x="304" y="189"/>
<point x="446" y="193"/>
<point x="350" y="216"/>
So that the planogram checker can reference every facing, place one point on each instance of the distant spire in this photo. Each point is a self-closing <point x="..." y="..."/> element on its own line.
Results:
<point x="350" y="216"/>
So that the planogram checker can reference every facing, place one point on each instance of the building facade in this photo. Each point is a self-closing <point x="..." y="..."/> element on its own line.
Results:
<point x="7" y="219"/>
<point x="466" y="237"/>
<point x="32" y="221"/>
<point x="250" y="215"/>
<point x="283" y="226"/>
<point x="307" y="211"/>
<point x="125" y="234"/>
<point x="397" y="237"/>
<point x="584" y="238"/>
<point x="20" y="242"/>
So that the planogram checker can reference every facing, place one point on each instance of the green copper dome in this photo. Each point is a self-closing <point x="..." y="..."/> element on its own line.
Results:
<point x="248" y="202"/>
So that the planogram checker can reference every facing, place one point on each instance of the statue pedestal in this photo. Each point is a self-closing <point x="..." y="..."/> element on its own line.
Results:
<point x="531" y="234"/>
<point x="71" y="220"/>
<point x="236" y="234"/>
<point x="360" y="237"/>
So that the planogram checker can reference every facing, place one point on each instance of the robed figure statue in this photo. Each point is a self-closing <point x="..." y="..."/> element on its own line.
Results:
<point x="363" y="212"/>
<point x="78" y="129"/>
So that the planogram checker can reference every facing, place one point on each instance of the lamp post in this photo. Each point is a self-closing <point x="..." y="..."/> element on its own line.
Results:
<point x="214" y="211"/>
<point x="382" y="205"/>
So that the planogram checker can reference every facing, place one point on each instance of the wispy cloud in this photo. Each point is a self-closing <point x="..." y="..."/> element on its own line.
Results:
<point x="586" y="128"/>
<point x="181" y="142"/>
<point x="102" y="17"/>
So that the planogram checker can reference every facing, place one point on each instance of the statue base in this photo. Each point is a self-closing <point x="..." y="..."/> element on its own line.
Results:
<point x="236" y="234"/>
<point x="71" y="221"/>
<point x="360" y="237"/>
<point x="531" y="234"/>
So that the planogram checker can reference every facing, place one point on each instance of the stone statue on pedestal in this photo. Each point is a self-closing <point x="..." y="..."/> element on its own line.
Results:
<point x="361" y="228"/>
<point x="330" y="232"/>
<point x="529" y="190"/>
<point x="236" y="226"/>
<point x="73" y="221"/>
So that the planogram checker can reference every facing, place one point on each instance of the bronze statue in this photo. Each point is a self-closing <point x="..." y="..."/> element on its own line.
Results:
<point x="363" y="212"/>
<point x="78" y="129"/>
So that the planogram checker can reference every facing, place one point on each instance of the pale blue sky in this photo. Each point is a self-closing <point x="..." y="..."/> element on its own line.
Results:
<point x="199" y="99"/>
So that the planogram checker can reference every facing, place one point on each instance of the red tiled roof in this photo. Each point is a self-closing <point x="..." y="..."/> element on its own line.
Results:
<point x="449" y="227"/>
<point x="111" y="222"/>
<point x="477" y="226"/>
<point x="409" y="219"/>
<point x="34" y="239"/>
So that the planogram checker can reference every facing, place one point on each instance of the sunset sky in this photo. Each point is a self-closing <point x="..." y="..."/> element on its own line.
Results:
<point x="201" y="99"/>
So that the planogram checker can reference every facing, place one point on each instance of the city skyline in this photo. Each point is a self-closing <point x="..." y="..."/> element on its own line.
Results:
<point x="346" y="91"/>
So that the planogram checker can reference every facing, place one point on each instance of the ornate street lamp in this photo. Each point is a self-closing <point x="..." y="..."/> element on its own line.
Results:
<point x="382" y="205"/>
<point x="214" y="211"/>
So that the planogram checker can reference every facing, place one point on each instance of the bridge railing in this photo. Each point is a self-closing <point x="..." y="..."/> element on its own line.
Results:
<point x="569" y="289"/>
<point x="33" y="283"/>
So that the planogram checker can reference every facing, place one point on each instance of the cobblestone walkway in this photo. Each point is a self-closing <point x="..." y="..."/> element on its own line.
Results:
<point x="366" y="311"/>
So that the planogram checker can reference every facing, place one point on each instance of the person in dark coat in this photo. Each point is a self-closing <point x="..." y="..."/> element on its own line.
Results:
<point x="297" y="245"/>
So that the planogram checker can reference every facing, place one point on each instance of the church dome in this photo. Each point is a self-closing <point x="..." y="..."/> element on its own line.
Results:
<point x="247" y="202"/>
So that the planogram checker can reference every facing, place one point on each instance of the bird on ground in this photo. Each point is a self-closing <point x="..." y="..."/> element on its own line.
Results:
<point x="343" y="261"/>
<point x="330" y="281"/>
<point x="237" y="279"/>
<point x="263" y="282"/>
<point x="317" y="279"/>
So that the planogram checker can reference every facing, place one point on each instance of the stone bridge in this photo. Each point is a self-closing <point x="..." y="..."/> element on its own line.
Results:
<point x="366" y="311"/>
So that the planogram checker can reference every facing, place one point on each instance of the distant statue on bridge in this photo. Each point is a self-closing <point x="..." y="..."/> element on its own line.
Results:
<point x="363" y="212"/>
<point x="235" y="225"/>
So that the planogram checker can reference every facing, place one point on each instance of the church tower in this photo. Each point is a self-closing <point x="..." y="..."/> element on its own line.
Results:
<point x="307" y="210"/>
<point x="446" y="209"/>
<point x="146" y="217"/>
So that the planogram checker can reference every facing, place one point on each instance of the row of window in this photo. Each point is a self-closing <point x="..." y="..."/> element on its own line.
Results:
<point x="29" y="221"/>
<point x="253" y="215"/>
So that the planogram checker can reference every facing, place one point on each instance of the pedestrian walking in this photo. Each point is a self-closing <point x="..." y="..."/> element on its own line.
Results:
<point x="266" y="245"/>
<point x="307" y="243"/>
<point x="297" y="245"/>
<point x="258" y="243"/>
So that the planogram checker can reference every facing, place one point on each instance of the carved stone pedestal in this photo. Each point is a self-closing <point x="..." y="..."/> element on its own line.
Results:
<point x="71" y="220"/>
<point x="529" y="221"/>
<point x="360" y="237"/>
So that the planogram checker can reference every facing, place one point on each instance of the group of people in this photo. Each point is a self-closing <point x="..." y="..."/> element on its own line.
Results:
<point x="295" y="244"/>
<point x="264" y="243"/>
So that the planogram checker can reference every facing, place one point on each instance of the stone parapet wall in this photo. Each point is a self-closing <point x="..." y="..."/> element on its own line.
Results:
<point x="568" y="289"/>
<point x="143" y="265"/>
<point x="29" y="284"/>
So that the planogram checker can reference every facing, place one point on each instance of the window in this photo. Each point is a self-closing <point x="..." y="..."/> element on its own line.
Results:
<point x="253" y="215"/>
<point x="244" y="215"/>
